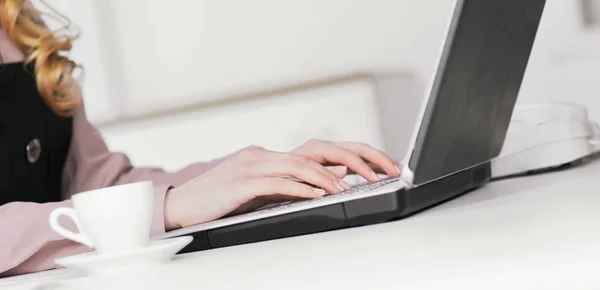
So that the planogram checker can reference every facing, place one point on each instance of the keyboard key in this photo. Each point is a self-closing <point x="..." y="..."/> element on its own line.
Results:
<point x="360" y="188"/>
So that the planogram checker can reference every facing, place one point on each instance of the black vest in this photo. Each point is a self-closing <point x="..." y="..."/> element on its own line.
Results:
<point x="34" y="142"/>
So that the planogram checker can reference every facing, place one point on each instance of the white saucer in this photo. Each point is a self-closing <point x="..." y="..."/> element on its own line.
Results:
<point x="157" y="252"/>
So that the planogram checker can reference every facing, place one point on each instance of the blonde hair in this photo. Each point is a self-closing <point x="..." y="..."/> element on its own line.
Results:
<point x="53" y="71"/>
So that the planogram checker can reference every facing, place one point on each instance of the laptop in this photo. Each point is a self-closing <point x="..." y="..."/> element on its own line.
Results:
<point x="462" y="125"/>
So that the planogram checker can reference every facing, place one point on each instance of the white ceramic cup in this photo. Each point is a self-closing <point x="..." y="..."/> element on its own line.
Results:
<point x="114" y="219"/>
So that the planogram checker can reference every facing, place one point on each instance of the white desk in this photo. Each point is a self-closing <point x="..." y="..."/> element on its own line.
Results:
<point x="540" y="232"/>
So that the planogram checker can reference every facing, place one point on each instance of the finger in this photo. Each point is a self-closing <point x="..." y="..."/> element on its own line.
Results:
<point x="332" y="153"/>
<point x="339" y="171"/>
<point x="299" y="170"/>
<point x="300" y="158"/>
<point x="373" y="166"/>
<point x="255" y="153"/>
<point x="346" y="185"/>
<point x="256" y="187"/>
<point x="333" y="173"/>
<point x="372" y="155"/>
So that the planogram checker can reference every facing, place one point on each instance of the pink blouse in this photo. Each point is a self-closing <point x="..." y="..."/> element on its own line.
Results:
<point x="27" y="243"/>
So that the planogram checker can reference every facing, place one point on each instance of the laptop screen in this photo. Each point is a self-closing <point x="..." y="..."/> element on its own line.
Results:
<point x="475" y="86"/>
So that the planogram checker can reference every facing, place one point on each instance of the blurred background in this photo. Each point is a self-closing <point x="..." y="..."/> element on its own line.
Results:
<point x="178" y="81"/>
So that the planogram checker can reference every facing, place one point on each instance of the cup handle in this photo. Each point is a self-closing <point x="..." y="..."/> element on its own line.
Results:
<point x="69" y="212"/>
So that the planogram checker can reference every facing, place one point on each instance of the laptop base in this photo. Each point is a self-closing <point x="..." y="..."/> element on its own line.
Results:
<point x="360" y="212"/>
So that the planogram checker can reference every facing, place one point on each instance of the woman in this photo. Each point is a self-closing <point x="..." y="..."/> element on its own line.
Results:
<point x="49" y="151"/>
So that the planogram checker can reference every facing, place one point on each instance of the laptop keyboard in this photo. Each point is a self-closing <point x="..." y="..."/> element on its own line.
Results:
<point x="274" y="209"/>
<point x="359" y="188"/>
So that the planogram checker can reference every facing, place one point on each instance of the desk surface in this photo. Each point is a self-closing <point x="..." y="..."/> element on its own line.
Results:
<point x="538" y="232"/>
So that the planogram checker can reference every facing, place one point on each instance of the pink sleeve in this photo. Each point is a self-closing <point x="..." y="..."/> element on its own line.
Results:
<point x="28" y="244"/>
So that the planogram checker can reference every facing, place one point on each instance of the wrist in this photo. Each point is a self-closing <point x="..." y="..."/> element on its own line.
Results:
<point x="170" y="209"/>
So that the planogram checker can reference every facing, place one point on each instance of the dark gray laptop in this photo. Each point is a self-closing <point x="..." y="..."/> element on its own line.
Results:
<point x="462" y="126"/>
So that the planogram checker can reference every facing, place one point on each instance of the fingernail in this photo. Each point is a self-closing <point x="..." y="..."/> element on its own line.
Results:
<point x="319" y="191"/>
<point x="374" y="176"/>
<point x="345" y="184"/>
<point x="339" y="186"/>
<point x="398" y="170"/>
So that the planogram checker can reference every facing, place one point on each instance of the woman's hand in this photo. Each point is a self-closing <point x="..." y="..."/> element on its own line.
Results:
<point x="250" y="179"/>
<point x="358" y="157"/>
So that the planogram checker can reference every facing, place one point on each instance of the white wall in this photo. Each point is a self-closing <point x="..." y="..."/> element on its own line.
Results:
<point x="146" y="56"/>
<point x="201" y="50"/>
<point x="565" y="63"/>
<point x="376" y="109"/>
<point x="279" y="122"/>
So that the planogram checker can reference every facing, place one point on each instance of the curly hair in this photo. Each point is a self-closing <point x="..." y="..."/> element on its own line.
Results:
<point x="46" y="50"/>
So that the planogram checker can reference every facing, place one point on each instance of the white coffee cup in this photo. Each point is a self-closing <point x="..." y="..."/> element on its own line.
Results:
<point x="112" y="220"/>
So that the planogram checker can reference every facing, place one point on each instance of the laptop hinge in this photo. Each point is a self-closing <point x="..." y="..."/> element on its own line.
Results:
<point x="407" y="176"/>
